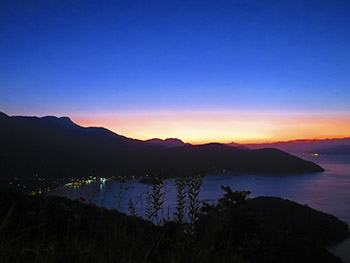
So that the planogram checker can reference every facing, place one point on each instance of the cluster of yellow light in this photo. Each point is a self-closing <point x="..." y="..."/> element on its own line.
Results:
<point x="221" y="126"/>
<point x="76" y="183"/>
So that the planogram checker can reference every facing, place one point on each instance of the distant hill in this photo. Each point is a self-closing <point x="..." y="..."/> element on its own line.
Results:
<point x="52" y="148"/>
<point x="233" y="144"/>
<point x="307" y="146"/>
<point x="167" y="143"/>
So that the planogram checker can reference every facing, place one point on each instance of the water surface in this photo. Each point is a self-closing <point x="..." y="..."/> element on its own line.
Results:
<point x="328" y="191"/>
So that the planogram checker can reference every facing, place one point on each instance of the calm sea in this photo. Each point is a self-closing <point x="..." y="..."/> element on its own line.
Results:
<point x="328" y="191"/>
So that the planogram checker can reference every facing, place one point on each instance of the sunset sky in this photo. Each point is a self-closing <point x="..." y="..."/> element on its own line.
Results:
<point x="201" y="71"/>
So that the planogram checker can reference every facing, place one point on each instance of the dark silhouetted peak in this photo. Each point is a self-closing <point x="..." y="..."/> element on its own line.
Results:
<point x="167" y="143"/>
<point x="59" y="122"/>
<point x="237" y="145"/>
<point x="3" y="115"/>
<point x="66" y="119"/>
<point x="174" y="142"/>
<point x="58" y="119"/>
<point x="233" y="144"/>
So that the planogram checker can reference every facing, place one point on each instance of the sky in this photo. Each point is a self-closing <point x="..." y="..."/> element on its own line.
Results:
<point x="201" y="71"/>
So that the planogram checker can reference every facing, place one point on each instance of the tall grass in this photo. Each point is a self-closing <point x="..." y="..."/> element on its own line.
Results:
<point x="180" y="208"/>
<point x="187" y="206"/>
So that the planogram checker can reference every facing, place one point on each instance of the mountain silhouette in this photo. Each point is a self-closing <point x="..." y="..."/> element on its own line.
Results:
<point x="168" y="143"/>
<point x="307" y="146"/>
<point x="55" y="148"/>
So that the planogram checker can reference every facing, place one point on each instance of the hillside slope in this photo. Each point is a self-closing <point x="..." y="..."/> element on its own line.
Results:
<point x="55" y="148"/>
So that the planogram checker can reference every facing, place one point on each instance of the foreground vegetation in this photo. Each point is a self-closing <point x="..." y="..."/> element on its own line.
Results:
<point x="236" y="229"/>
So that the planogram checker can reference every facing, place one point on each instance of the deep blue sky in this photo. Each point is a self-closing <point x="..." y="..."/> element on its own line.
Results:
<point x="69" y="57"/>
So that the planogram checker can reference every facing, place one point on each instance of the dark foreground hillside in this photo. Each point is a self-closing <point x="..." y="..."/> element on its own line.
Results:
<point x="54" y="229"/>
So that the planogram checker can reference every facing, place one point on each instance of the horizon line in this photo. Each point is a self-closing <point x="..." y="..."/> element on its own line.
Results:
<point x="199" y="142"/>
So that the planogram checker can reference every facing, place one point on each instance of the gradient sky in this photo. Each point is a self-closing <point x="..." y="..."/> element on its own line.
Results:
<point x="243" y="71"/>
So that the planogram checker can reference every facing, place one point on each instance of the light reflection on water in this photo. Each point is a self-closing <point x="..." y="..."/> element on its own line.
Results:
<point x="328" y="191"/>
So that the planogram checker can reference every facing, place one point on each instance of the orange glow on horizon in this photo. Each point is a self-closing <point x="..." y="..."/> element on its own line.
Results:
<point x="224" y="127"/>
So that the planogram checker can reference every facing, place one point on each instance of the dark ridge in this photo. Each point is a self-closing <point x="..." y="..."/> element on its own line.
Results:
<point x="3" y="115"/>
<point x="167" y="143"/>
<point x="56" y="149"/>
<point x="237" y="145"/>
